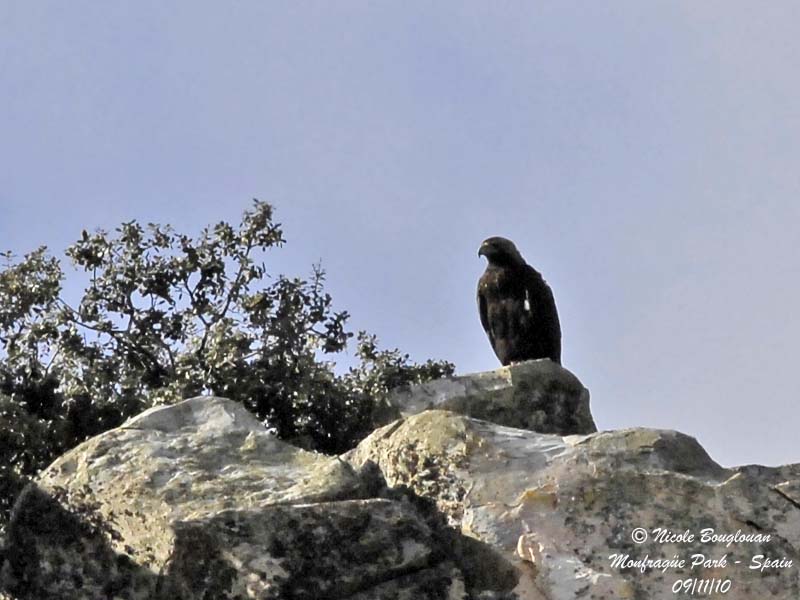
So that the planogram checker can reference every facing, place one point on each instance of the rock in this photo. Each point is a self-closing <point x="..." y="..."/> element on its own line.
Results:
<point x="320" y="550"/>
<point x="198" y="500"/>
<point x="138" y="484"/>
<point x="562" y="508"/>
<point x="539" y="395"/>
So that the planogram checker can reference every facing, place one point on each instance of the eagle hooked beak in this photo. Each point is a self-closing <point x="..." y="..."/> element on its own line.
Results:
<point x="482" y="250"/>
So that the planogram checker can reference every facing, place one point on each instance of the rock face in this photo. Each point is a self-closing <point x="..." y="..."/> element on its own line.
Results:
<point x="563" y="508"/>
<point x="539" y="395"/>
<point x="198" y="501"/>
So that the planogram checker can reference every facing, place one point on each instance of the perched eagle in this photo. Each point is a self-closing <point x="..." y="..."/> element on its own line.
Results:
<point x="516" y="305"/>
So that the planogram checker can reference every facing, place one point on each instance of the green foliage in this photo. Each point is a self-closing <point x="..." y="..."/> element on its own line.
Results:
<point x="165" y="317"/>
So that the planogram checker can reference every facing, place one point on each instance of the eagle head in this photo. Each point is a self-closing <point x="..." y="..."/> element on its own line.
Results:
<point x="500" y="251"/>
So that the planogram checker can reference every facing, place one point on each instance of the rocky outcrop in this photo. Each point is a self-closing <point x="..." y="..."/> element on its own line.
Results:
<point x="568" y="511"/>
<point x="539" y="395"/>
<point x="199" y="501"/>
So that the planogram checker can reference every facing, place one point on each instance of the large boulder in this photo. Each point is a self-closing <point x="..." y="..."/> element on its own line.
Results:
<point x="539" y="395"/>
<point x="199" y="501"/>
<point x="576" y="513"/>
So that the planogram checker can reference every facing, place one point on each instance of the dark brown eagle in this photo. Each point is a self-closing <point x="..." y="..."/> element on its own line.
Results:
<point x="517" y="308"/>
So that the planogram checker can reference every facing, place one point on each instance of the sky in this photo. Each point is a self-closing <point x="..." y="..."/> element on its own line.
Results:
<point x="645" y="157"/>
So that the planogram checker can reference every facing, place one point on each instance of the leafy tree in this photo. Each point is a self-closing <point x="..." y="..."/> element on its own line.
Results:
<point x="165" y="317"/>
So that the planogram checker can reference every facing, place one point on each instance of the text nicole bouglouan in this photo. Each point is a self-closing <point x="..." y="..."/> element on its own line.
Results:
<point x="737" y="552"/>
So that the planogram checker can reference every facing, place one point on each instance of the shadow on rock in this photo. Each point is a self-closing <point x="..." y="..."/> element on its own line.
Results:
<point x="53" y="553"/>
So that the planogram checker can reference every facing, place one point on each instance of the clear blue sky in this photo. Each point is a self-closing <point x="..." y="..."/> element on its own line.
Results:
<point x="645" y="156"/>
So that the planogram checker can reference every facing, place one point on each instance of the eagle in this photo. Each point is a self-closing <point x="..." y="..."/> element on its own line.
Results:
<point x="516" y="306"/>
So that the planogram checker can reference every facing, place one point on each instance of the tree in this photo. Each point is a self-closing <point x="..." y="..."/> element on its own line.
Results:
<point x="165" y="317"/>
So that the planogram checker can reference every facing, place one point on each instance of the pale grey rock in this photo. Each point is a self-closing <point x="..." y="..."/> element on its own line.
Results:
<point x="539" y="395"/>
<point x="559" y="507"/>
<point x="137" y="484"/>
<point x="199" y="501"/>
